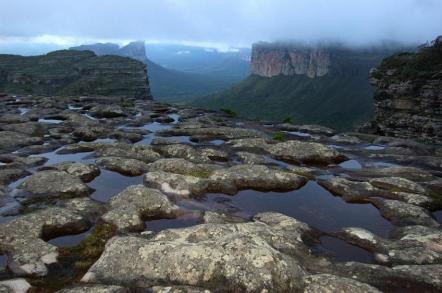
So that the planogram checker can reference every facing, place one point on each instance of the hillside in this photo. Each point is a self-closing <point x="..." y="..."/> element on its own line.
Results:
<point x="73" y="73"/>
<point x="166" y="84"/>
<point x="327" y="86"/>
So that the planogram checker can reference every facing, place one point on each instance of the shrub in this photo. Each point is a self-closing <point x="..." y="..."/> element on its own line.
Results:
<point x="279" y="136"/>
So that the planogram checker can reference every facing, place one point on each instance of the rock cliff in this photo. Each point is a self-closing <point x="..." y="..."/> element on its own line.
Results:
<point x="408" y="95"/>
<point x="272" y="60"/>
<point x="74" y="73"/>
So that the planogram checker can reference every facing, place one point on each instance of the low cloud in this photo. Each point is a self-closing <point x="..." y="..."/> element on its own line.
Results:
<point x="220" y="22"/>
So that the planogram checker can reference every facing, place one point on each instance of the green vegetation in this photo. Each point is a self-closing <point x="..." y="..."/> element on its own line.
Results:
<point x="75" y="261"/>
<point x="229" y="112"/>
<point x="287" y="120"/>
<point x="70" y="73"/>
<point x="421" y="65"/>
<point x="279" y="136"/>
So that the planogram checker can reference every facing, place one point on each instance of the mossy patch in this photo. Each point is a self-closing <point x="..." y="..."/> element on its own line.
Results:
<point x="279" y="136"/>
<point x="73" y="262"/>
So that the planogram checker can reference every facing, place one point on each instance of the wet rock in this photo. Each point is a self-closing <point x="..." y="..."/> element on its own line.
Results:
<point x="14" y="286"/>
<point x="9" y="175"/>
<point x="22" y="238"/>
<point x="314" y="129"/>
<point x="251" y="159"/>
<point x="77" y="148"/>
<point x="107" y="111"/>
<point x="430" y="275"/>
<point x="86" y="172"/>
<point x="302" y="171"/>
<point x="132" y="206"/>
<point x="28" y="128"/>
<point x="177" y="184"/>
<point x="13" y="118"/>
<point x="248" y="143"/>
<point x="22" y="162"/>
<point x="91" y="132"/>
<point x="244" y="257"/>
<point x="326" y="283"/>
<point x="401" y="213"/>
<point x="184" y="167"/>
<point x="397" y="184"/>
<point x="204" y="155"/>
<point x="217" y="132"/>
<point x="13" y="140"/>
<point x="350" y="191"/>
<point x="346" y="138"/>
<point x="97" y="288"/>
<point x="410" y="173"/>
<point x="178" y="289"/>
<point x="125" y="166"/>
<point x="305" y="152"/>
<point x="47" y="183"/>
<point x="141" y="153"/>
<point x="256" y="177"/>
<point x="360" y="237"/>
<point x="221" y="218"/>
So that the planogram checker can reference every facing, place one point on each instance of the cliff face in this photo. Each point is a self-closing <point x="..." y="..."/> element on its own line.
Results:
<point x="135" y="50"/>
<point x="73" y="73"/>
<point x="269" y="61"/>
<point x="408" y="95"/>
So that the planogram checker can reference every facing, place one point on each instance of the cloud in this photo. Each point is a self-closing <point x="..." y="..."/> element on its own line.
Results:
<point x="227" y="22"/>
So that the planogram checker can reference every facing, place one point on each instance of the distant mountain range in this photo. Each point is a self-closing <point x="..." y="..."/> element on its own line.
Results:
<point x="194" y="80"/>
<point x="325" y="85"/>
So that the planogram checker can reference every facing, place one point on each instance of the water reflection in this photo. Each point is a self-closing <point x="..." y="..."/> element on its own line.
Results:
<point x="110" y="183"/>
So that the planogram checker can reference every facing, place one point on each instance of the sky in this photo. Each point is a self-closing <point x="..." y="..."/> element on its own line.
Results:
<point x="218" y="23"/>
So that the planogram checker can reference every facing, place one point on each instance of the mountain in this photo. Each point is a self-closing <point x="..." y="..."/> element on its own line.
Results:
<point x="325" y="85"/>
<point x="68" y="73"/>
<point x="232" y="65"/>
<point x="166" y="84"/>
<point x="408" y="95"/>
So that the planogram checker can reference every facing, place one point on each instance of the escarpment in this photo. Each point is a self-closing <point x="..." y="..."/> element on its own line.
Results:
<point x="408" y="95"/>
<point x="69" y="73"/>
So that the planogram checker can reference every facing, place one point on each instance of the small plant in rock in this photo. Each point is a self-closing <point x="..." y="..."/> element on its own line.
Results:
<point x="125" y="103"/>
<point x="287" y="120"/>
<point x="229" y="112"/>
<point x="279" y="136"/>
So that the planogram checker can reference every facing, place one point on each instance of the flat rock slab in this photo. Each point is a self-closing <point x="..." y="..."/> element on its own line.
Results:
<point x="54" y="183"/>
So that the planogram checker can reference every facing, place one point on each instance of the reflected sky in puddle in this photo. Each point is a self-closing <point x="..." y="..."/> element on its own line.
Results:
<point x="162" y="224"/>
<point x="110" y="183"/>
<point x="69" y="240"/>
<point x="155" y="126"/>
<point x="351" y="164"/>
<point x="438" y="216"/>
<point x="311" y="204"/>
<point x="341" y="251"/>
<point x="217" y="142"/>
<point x="50" y="121"/>
<point x="54" y="158"/>
<point x="299" y="133"/>
<point x="374" y="147"/>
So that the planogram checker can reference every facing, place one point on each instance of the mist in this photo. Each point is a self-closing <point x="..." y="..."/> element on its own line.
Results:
<point x="219" y="23"/>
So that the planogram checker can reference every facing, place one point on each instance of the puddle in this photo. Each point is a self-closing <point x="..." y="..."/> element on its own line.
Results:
<point x="217" y="142"/>
<point x="351" y="164"/>
<point x="178" y="139"/>
<point x="3" y="261"/>
<point x="163" y="224"/>
<point x="341" y="251"/>
<point x="50" y="121"/>
<point x="438" y="216"/>
<point x="72" y="107"/>
<point x="110" y="183"/>
<point x="155" y="126"/>
<point x="23" y="111"/>
<point x="338" y="147"/>
<point x="69" y="240"/>
<point x="382" y="164"/>
<point x="6" y="219"/>
<point x="270" y="160"/>
<point x="374" y="147"/>
<point x="299" y="133"/>
<point x="175" y="118"/>
<point x="54" y="158"/>
<point x="311" y="204"/>
<point x="101" y="140"/>
<point x="89" y="117"/>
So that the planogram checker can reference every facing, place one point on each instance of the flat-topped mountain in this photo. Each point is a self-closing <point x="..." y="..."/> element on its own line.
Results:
<point x="68" y="72"/>
<point x="325" y="85"/>
<point x="166" y="84"/>
<point x="408" y="96"/>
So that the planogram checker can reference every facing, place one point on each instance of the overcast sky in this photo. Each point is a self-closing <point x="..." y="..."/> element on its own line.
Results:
<point x="219" y="22"/>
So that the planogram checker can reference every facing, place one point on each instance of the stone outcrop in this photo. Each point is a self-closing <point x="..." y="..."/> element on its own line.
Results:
<point x="272" y="60"/>
<point x="408" y="95"/>
<point x="69" y="72"/>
